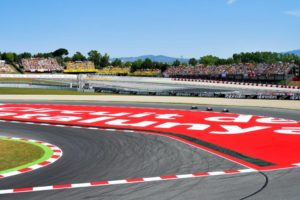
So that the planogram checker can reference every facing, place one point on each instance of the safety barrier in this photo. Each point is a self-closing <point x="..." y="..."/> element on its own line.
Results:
<point x="236" y="83"/>
<point x="41" y="76"/>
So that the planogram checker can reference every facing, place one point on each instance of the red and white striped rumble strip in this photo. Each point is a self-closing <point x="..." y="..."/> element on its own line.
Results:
<point x="125" y="181"/>
<point x="57" y="153"/>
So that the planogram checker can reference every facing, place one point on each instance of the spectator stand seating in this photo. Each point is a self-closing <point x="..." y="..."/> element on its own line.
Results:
<point x="6" y="68"/>
<point x="80" y="67"/>
<point x="42" y="65"/>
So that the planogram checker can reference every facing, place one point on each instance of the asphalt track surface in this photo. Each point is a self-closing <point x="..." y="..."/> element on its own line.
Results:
<point x="91" y="155"/>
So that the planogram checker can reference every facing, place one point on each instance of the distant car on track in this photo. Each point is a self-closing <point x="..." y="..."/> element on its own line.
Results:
<point x="209" y="109"/>
<point x="225" y="110"/>
<point x="194" y="107"/>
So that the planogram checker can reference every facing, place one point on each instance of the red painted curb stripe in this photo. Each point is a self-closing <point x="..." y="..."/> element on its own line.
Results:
<point x="201" y="174"/>
<point x="168" y="177"/>
<point x="125" y="181"/>
<point x="133" y="180"/>
<point x="57" y="153"/>
<point x="18" y="190"/>
<point x="231" y="171"/>
<point x="99" y="183"/>
<point x="62" y="186"/>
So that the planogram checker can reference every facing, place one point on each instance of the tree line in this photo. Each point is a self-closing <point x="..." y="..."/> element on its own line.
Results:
<point x="103" y="60"/>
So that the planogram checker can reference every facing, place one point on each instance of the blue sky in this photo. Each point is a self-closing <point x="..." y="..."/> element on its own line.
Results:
<point x="188" y="28"/>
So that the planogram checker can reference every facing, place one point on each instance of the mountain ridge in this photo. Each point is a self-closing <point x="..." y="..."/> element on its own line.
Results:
<point x="154" y="58"/>
<point x="296" y="51"/>
<point x="169" y="59"/>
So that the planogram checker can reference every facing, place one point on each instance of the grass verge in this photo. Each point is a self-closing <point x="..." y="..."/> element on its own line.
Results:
<point x="17" y="154"/>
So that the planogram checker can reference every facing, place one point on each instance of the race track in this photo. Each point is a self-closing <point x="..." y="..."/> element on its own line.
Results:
<point x="93" y="155"/>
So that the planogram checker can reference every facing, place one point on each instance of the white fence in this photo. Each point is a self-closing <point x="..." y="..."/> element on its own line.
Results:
<point x="39" y="76"/>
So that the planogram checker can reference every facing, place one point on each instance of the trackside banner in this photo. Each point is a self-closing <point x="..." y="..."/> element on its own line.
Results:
<point x="259" y="142"/>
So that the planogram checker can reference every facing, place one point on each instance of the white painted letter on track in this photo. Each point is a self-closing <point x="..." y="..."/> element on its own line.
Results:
<point x="271" y="120"/>
<point x="238" y="119"/>
<point x="121" y="122"/>
<point x="289" y="130"/>
<point x="238" y="130"/>
<point x="199" y="127"/>
<point x="2" y="114"/>
<point x="59" y="118"/>
<point x="29" y="116"/>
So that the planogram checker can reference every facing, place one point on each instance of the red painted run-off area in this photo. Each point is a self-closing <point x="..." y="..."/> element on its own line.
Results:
<point x="274" y="141"/>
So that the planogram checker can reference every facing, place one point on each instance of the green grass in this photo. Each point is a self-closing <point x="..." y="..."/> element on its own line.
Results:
<point x="16" y="153"/>
<point x="36" y="91"/>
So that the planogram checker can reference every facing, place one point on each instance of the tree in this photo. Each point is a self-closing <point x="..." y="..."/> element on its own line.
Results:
<point x="60" y="52"/>
<point x="43" y="55"/>
<point x="236" y="58"/>
<point x="161" y="66"/>
<point x="67" y="59"/>
<point x="9" y="57"/>
<point x="95" y="57"/>
<point x="116" y="63"/>
<point x="176" y="63"/>
<point x="209" y="60"/>
<point x="104" y="61"/>
<point x="78" y="57"/>
<point x="24" y="55"/>
<point x="193" y="61"/>
<point x="136" y="65"/>
<point x="147" y="64"/>
<point x="261" y="57"/>
<point x="222" y="61"/>
<point x="127" y="64"/>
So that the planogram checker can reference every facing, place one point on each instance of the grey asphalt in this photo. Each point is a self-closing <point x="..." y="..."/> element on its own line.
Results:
<point x="91" y="155"/>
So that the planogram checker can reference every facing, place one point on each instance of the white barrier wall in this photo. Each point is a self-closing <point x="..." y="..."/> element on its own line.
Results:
<point x="202" y="83"/>
<point x="195" y="82"/>
<point x="40" y="76"/>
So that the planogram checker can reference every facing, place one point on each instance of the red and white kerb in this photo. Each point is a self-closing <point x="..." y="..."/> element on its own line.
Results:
<point x="57" y="153"/>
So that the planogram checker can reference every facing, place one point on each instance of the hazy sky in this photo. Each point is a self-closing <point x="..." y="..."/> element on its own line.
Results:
<point x="188" y="28"/>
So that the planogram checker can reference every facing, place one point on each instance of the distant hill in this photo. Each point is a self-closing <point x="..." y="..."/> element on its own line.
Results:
<point x="159" y="58"/>
<point x="297" y="52"/>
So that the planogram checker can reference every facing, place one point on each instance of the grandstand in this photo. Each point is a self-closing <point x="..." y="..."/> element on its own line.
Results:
<point x="272" y="73"/>
<point x="80" y="67"/>
<point x="147" y="72"/>
<point x="41" y="65"/>
<point x="5" y="68"/>
<point x="114" y="71"/>
<point x="125" y="71"/>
